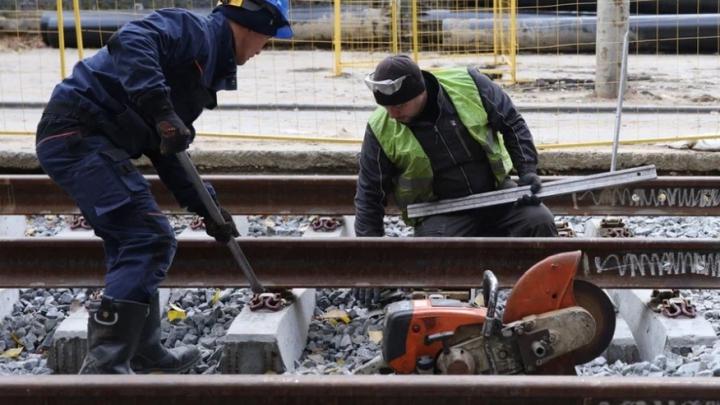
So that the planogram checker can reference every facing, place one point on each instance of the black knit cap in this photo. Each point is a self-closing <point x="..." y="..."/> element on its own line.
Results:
<point x="394" y="67"/>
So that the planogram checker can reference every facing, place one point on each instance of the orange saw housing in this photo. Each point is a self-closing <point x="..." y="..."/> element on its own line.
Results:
<point x="547" y="286"/>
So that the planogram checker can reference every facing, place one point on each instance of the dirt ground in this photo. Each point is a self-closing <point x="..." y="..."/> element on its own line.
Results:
<point x="28" y="70"/>
<point x="278" y="79"/>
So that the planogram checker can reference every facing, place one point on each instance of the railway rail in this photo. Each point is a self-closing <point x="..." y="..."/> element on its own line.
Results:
<point x="366" y="262"/>
<point x="382" y="262"/>
<point x="352" y="390"/>
<point x="333" y="195"/>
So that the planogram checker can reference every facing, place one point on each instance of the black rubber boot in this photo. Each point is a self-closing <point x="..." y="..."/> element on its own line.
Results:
<point x="152" y="357"/>
<point x="113" y="335"/>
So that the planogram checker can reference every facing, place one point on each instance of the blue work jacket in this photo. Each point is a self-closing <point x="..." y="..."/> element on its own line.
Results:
<point x="187" y="56"/>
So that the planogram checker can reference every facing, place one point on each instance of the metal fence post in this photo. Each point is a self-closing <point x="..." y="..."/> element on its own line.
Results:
<point x="78" y="29"/>
<point x="612" y="24"/>
<point x="61" y="38"/>
<point x="337" y="40"/>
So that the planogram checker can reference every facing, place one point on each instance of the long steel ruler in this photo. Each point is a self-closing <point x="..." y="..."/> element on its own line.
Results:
<point x="559" y="187"/>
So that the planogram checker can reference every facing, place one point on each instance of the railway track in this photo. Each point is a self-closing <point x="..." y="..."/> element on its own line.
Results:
<point x="366" y="262"/>
<point x="410" y="262"/>
<point x="333" y="195"/>
<point x="350" y="390"/>
<point x="610" y="263"/>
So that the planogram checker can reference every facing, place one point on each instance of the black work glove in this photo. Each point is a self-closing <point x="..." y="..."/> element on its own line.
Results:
<point x="507" y="183"/>
<point x="174" y="135"/>
<point x="530" y="179"/>
<point x="533" y="180"/>
<point x="527" y="200"/>
<point x="368" y="297"/>
<point x="221" y="233"/>
<point x="377" y="297"/>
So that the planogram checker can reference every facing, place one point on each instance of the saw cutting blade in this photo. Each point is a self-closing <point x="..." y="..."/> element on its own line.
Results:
<point x="594" y="300"/>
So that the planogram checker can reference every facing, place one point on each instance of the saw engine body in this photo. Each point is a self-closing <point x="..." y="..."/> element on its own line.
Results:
<point x="545" y="327"/>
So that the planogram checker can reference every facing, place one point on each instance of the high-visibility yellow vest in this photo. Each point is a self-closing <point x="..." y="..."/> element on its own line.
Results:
<point x="414" y="184"/>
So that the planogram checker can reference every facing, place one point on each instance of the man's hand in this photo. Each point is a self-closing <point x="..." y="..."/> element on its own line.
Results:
<point x="530" y="179"/>
<point x="221" y="233"/>
<point x="526" y="200"/>
<point x="507" y="183"/>
<point x="174" y="135"/>
<point x="368" y="297"/>
<point x="377" y="297"/>
<point x="533" y="180"/>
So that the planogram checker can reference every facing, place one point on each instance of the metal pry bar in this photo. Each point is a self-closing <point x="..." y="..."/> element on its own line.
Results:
<point x="216" y="216"/>
<point x="559" y="187"/>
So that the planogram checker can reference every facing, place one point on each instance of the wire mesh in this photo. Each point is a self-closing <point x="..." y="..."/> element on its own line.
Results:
<point x="543" y="53"/>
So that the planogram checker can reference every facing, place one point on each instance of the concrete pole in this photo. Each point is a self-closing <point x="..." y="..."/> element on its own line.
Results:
<point x="612" y="23"/>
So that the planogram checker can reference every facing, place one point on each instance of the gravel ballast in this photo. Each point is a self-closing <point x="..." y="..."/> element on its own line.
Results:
<point x="336" y="344"/>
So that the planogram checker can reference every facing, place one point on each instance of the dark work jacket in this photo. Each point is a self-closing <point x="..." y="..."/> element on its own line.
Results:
<point x="174" y="51"/>
<point x="460" y="166"/>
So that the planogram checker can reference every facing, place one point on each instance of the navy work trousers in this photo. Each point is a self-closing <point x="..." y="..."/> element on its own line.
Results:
<point x="501" y="221"/>
<point x="115" y="199"/>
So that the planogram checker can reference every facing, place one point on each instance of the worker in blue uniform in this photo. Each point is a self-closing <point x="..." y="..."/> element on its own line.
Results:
<point x="139" y="95"/>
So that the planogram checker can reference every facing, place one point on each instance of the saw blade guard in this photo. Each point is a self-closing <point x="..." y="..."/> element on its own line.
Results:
<point x="546" y="286"/>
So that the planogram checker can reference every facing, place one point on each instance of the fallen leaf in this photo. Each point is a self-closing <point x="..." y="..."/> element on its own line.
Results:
<point x="16" y="339"/>
<point x="175" y="312"/>
<point x="336" y="315"/>
<point x="12" y="353"/>
<point x="216" y="297"/>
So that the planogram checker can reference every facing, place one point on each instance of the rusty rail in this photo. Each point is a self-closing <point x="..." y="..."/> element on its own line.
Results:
<point x="363" y="262"/>
<point x="354" y="390"/>
<point x="333" y="195"/>
<point x="262" y="194"/>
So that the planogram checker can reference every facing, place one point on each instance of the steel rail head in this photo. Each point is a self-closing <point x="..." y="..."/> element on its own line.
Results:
<point x="333" y="195"/>
<point x="367" y="389"/>
<point x="377" y="262"/>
